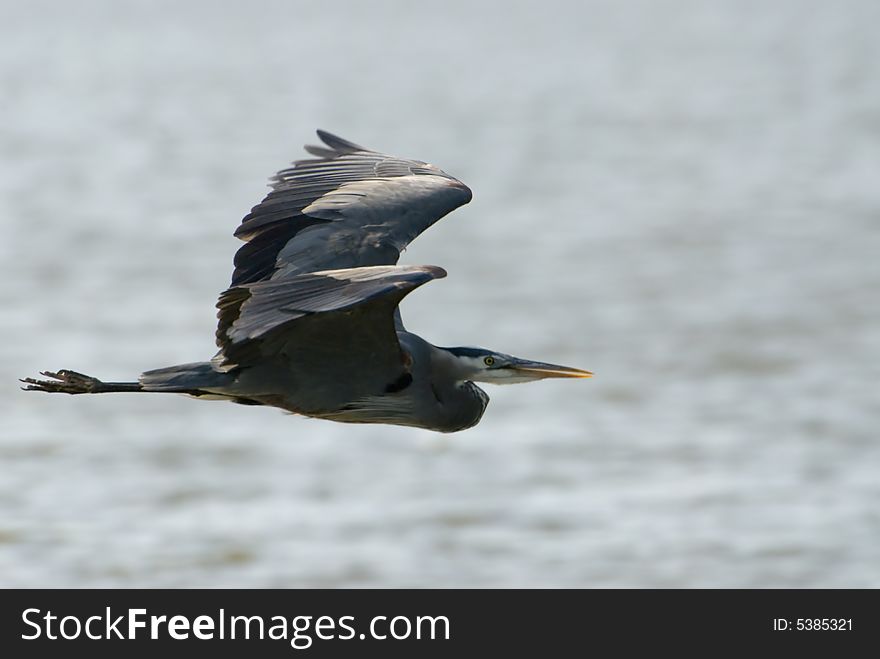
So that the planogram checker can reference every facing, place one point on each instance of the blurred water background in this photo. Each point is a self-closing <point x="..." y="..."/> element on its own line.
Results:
<point x="682" y="196"/>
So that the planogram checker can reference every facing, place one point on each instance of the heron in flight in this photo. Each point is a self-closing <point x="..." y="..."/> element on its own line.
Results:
<point x="311" y="322"/>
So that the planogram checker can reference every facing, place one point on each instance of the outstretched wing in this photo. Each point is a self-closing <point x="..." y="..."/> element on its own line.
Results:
<point x="332" y="326"/>
<point x="348" y="207"/>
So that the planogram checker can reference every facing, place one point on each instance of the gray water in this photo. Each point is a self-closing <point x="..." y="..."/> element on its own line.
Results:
<point x="682" y="197"/>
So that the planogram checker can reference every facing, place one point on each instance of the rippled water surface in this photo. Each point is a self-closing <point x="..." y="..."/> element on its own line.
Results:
<point x="680" y="196"/>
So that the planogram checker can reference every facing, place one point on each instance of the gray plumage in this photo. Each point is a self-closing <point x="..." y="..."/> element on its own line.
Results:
<point x="311" y="323"/>
<point x="350" y="207"/>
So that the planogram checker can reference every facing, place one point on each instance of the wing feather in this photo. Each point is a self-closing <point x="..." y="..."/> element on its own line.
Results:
<point x="273" y="313"/>
<point x="347" y="207"/>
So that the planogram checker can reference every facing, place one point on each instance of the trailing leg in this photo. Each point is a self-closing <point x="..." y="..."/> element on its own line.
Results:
<point x="71" y="382"/>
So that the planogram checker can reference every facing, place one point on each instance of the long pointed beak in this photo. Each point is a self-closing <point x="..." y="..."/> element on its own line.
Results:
<point x="540" y="370"/>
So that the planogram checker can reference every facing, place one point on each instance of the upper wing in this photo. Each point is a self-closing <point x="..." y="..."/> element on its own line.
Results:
<point x="348" y="207"/>
<point x="322" y="322"/>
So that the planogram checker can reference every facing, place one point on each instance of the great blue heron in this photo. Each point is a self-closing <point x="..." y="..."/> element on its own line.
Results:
<point x="311" y="323"/>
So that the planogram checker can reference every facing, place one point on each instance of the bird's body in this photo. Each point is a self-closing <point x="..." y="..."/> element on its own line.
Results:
<point x="311" y="323"/>
<point x="330" y="391"/>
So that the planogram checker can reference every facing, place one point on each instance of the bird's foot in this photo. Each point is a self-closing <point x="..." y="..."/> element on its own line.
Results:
<point x="64" y="382"/>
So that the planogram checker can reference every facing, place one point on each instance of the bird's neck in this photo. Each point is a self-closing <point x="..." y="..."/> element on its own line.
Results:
<point x="456" y="402"/>
<point x="451" y="366"/>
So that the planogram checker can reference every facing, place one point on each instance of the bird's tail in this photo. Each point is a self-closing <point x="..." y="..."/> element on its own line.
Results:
<point x="195" y="379"/>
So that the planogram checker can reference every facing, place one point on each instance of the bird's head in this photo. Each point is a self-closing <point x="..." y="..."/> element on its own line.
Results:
<point x="482" y="365"/>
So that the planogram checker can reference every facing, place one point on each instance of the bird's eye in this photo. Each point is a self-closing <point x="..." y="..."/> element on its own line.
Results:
<point x="488" y="361"/>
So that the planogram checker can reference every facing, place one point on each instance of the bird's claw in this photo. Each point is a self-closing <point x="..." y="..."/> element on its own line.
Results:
<point x="64" y="381"/>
